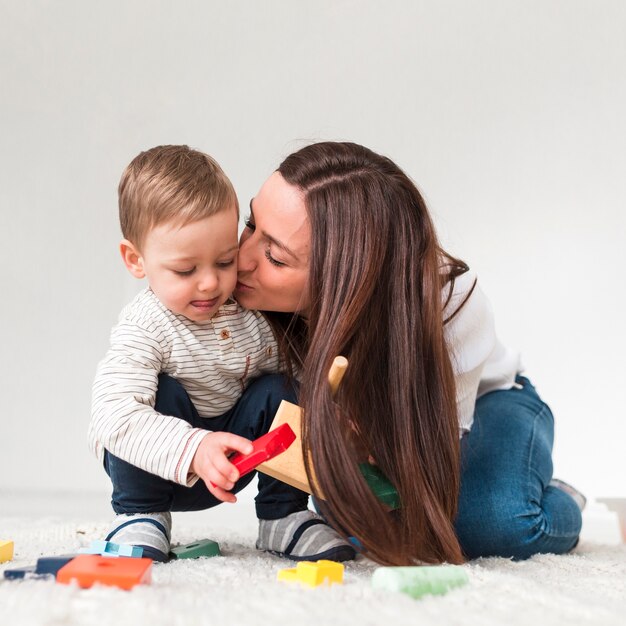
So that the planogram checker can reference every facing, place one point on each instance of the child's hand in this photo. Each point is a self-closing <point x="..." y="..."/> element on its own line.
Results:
<point x="211" y="463"/>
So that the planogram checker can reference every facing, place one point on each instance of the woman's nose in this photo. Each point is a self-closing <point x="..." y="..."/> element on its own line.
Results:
<point x="245" y="258"/>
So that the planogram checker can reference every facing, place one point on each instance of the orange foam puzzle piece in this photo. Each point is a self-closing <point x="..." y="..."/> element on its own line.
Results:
<point x="123" y="572"/>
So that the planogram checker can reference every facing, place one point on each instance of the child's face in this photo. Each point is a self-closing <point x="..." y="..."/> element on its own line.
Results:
<point x="192" y="269"/>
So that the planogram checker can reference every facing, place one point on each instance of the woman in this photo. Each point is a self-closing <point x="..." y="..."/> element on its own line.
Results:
<point x="341" y="254"/>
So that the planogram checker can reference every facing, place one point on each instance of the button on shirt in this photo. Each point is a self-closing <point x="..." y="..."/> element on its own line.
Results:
<point x="212" y="360"/>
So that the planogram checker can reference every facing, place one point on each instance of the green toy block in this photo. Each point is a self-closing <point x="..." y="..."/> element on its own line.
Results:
<point x="380" y="485"/>
<point x="204" y="547"/>
<point x="419" y="581"/>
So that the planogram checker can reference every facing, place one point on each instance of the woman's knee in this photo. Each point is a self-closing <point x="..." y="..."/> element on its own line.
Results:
<point x="510" y="527"/>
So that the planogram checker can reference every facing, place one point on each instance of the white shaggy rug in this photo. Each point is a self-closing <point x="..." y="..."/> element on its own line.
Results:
<point x="240" y="588"/>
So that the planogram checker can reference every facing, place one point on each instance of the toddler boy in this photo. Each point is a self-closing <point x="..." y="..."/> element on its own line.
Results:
<point x="183" y="385"/>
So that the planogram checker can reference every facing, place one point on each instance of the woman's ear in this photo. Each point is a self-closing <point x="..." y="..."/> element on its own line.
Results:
<point x="132" y="258"/>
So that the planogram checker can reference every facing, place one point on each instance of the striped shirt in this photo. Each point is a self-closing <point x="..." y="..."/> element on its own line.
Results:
<point x="212" y="360"/>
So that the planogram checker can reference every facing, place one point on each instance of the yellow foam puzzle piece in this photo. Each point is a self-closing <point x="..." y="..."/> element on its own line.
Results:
<point x="314" y="574"/>
<point x="6" y="551"/>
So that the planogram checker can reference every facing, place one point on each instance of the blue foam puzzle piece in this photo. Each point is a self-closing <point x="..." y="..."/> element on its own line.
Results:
<point x="108" y="548"/>
<point x="52" y="564"/>
<point x="19" y="572"/>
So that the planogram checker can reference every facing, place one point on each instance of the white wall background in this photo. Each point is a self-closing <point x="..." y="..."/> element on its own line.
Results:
<point x="510" y="116"/>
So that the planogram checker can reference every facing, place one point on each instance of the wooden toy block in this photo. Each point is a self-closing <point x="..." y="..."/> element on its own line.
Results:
<point x="266" y="447"/>
<point x="419" y="581"/>
<point x="618" y="506"/>
<point x="6" y="551"/>
<point x="108" y="548"/>
<point x="314" y="574"/>
<point x="123" y="572"/>
<point x="197" y="549"/>
<point x="289" y="466"/>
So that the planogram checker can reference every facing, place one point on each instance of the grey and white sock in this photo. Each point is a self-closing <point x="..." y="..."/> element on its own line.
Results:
<point x="303" y="536"/>
<point x="151" y="531"/>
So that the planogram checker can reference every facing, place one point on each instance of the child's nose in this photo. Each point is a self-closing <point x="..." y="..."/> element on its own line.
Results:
<point x="208" y="282"/>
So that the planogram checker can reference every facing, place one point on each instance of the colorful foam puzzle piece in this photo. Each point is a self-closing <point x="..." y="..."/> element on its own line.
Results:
<point x="419" y="581"/>
<point x="380" y="485"/>
<point x="6" y="551"/>
<point x="108" y="548"/>
<point x="124" y="572"/>
<point x="46" y="566"/>
<point x="266" y="447"/>
<point x="52" y="564"/>
<point x="313" y="574"/>
<point x="197" y="549"/>
<point x="19" y="573"/>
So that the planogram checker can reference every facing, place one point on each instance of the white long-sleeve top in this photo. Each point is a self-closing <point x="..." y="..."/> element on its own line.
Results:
<point x="480" y="362"/>
<point x="212" y="360"/>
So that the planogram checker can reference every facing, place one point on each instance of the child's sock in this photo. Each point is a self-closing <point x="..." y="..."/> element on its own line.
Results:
<point x="576" y="495"/>
<point x="303" y="536"/>
<point x="151" y="531"/>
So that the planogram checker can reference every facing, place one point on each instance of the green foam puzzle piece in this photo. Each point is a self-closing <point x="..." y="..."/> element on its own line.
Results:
<point x="419" y="581"/>
<point x="204" y="547"/>
<point x="380" y="485"/>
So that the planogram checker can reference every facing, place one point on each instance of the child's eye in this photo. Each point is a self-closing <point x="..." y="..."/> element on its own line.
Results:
<point x="184" y="272"/>
<point x="225" y="263"/>
<point x="249" y="223"/>
<point x="271" y="259"/>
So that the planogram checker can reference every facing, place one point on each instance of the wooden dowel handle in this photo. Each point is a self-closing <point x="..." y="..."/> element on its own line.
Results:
<point x="337" y="370"/>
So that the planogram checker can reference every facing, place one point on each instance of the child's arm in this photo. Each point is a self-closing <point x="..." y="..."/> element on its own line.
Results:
<point x="123" y="417"/>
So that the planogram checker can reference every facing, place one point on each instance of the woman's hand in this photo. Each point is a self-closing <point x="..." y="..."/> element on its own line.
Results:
<point x="210" y="462"/>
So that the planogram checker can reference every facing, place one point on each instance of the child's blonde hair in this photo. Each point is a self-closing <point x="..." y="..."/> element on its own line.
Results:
<point x="171" y="183"/>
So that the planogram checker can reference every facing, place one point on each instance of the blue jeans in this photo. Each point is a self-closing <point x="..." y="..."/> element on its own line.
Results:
<point x="138" y="491"/>
<point x="506" y="506"/>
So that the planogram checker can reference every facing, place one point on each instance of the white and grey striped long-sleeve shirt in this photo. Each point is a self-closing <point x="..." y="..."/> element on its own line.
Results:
<point x="212" y="360"/>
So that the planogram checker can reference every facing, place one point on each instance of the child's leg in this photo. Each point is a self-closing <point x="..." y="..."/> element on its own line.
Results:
<point x="138" y="492"/>
<point x="286" y="526"/>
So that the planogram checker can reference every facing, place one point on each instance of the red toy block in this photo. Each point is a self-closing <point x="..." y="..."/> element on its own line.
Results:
<point x="123" y="572"/>
<point x="265" y="448"/>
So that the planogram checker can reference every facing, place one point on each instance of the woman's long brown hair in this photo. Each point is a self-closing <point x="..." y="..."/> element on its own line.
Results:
<point x="375" y="285"/>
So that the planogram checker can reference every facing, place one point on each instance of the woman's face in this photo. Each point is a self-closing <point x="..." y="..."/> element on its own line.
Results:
<point x="274" y="250"/>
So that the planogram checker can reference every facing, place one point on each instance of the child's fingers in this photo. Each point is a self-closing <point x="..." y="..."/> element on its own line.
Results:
<point x="223" y="466"/>
<point x="237" y="443"/>
<point x="221" y="494"/>
<point x="218" y="478"/>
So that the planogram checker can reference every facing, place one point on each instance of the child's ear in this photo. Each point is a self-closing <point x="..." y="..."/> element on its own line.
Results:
<point x="132" y="258"/>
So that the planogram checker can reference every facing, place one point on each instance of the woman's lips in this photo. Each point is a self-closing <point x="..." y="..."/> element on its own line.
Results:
<point x="242" y="287"/>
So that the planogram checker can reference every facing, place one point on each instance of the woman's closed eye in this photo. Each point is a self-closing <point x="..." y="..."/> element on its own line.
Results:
<point x="272" y="260"/>
<point x="249" y="223"/>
